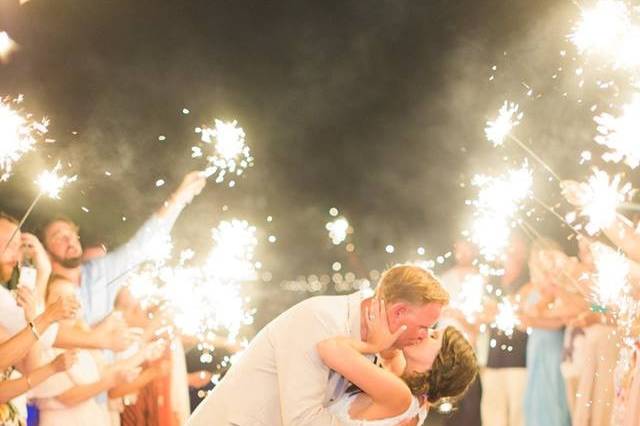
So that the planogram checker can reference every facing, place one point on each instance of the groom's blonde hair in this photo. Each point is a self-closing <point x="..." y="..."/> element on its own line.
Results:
<point x="411" y="284"/>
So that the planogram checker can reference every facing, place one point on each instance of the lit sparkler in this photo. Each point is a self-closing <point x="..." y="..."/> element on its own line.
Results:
<point x="469" y="300"/>
<point x="499" y="129"/>
<point x="499" y="199"/>
<point x="612" y="272"/>
<point x="231" y="153"/>
<point x="599" y="198"/>
<point x="608" y="30"/>
<point x="508" y="118"/>
<point x="338" y="230"/>
<point x="18" y="135"/>
<point x="621" y="134"/>
<point x="506" y="319"/>
<point x="159" y="248"/>
<point x="51" y="183"/>
<point x="7" y="46"/>
<point x="232" y="254"/>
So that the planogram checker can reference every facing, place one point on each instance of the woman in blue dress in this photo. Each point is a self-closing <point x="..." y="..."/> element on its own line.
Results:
<point x="545" y="402"/>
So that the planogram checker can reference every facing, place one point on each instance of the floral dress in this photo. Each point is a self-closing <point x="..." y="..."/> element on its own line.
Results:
<point x="9" y="415"/>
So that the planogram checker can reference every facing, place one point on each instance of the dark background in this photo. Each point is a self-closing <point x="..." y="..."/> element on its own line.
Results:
<point x="374" y="107"/>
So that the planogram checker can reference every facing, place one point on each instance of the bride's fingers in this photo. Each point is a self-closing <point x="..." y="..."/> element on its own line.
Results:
<point x="399" y="331"/>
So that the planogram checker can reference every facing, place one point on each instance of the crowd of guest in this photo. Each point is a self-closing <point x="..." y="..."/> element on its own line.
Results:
<point x="569" y="361"/>
<point x="76" y="347"/>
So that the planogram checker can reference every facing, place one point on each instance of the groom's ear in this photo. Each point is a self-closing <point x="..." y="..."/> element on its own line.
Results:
<point x="395" y="312"/>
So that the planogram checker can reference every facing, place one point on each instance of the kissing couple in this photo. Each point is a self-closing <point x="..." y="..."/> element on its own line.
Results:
<point x="348" y="360"/>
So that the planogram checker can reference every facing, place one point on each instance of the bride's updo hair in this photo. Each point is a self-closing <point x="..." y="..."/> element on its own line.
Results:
<point x="452" y="372"/>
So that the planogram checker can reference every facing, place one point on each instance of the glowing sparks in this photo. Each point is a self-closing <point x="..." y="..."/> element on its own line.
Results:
<point x="499" y="199"/>
<point x="508" y="118"/>
<point x="232" y="254"/>
<point x="18" y="135"/>
<point x="612" y="273"/>
<point x="599" y="199"/>
<point x="51" y="183"/>
<point x="608" y="30"/>
<point x="7" y="46"/>
<point x="506" y="319"/>
<point x="231" y="153"/>
<point x="160" y="248"/>
<point x="621" y="134"/>
<point x="338" y="230"/>
<point x="469" y="300"/>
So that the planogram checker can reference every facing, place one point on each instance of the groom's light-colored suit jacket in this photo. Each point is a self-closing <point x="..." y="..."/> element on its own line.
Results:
<point x="280" y="378"/>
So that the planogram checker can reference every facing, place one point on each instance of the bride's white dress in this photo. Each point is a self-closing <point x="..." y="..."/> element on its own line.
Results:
<point x="341" y="407"/>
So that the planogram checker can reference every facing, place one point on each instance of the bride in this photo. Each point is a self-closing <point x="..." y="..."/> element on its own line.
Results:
<point x="442" y="365"/>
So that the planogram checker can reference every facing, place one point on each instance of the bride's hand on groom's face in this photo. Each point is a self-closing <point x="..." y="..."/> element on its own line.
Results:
<point x="378" y="333"/>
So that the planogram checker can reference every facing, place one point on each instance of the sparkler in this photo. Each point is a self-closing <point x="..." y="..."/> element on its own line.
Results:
<point x="338" y="230"/>
<point x="18" y="134"/>
<point x="508" y="118"/>
<point x="231" y="154"/>
<point x="469" y="300"/>
<point x="612" y="272"/>
<point x="599" y="198"/>
<point x="620" y="134"/>
<point x="232" y="254"/>
<point x="607" y="30"/>
<point x="499" y="199"/>
<point x="7" y="46"/>
<point x="500" y="128"/>
<point x="506" y="319"/>
<point x="49" y="183"/>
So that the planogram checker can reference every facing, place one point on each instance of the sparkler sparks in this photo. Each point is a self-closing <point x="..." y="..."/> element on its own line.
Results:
<point x="612" y="272"/>
<point x="499" y="199"/>
<point x="620" y="134"/>
<point x="231" y="154"/>
<point x="7" y="46"/>
<point x="231" y="257"/>
<point x="506" y="319"/>
<point x="608" y="30"/>
<point x="469" y="300"/>
<point x="338" y="230"/>
<point x="18" y="135"/>
<point x="50" y="183"/>
<point x="508" y="118"/>
<point x="599" y="199"/>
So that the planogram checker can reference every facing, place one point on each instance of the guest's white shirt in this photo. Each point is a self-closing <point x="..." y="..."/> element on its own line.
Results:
<point x="280" y="378"/>
<point x="12" y="319"/>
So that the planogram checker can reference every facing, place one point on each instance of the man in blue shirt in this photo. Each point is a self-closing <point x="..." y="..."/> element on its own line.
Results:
<point x="98" y="280"/>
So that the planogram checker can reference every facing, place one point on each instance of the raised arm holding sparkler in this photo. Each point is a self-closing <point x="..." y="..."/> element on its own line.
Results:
<point x="616" y="227"/>
<point x="99" y="279"/>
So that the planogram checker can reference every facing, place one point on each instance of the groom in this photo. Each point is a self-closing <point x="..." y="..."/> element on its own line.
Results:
<point x="280" y="380"/>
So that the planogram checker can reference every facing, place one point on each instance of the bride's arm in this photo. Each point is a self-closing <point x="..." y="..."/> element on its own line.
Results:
<point x="346" y="356"/>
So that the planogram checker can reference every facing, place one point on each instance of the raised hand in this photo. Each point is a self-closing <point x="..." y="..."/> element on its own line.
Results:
<point x="64" y="361"/>
<point x="65" y="307"/>
<point x="576" y="193"/>
<point x="192" y="184"/>
<point x="378" y="333"/>
<point x="27" y="300"/>
<point x="35" y="251"/>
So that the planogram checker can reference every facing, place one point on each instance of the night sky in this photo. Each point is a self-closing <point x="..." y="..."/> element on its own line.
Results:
<point x="374" y="107"/>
